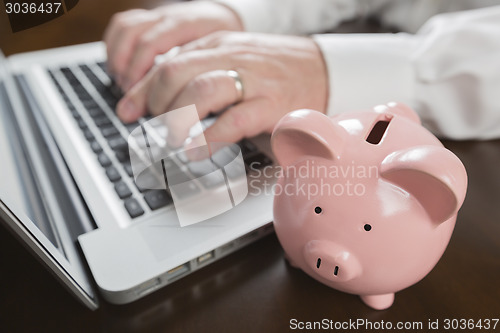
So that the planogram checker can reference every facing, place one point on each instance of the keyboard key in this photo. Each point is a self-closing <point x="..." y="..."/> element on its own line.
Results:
<point x="148" y="181"/>
<point x="115" y="90"/>
<point x="88" y="135"/>
<point x="112" y="95"/>
<point x="247" y="148"/>
<point x="96" y="148"/>
<point x="96" y="82"/>
<point x="96" y="112"/>
<point x="113" y="174"/>
<point x="65" y="70"/>
<point x="185" y="190"/>
<point x="128" y="169"/>
<point x="78" y="88"/>
<point x="258" y="161"/>
<point x="117" y="143"/>
<point x="224" y="156"/>
<point x="132" y="126"/>
<point x="89" y="104"/>
<point x="69" y="74"/>
<point x="201" y="168"/>
<point x="123" y="156"/>
<point x="108" y="131"/>
<point x="141" y="189"/>
<point x="107" y="94"/>
<point x="103" y="66"/>
<point x="102" y="121"/>
<point x="133" y="208"/>
<point x="104" y="160"/>
<point x="66" y="99"/>
<point x="101" y="88"/>
<point x="112" y="102"/>
<point x="235" y="170"/>
<point x="181" y="155"/>
<point x="212" y="180"/>
<point x="175" y="175"/>
<point x="81" y="90"/>
<point x="84" y="68"/>
<point x="122" y="190"/>
<point x="82" y="124"/>
<point x="157" y="199"/>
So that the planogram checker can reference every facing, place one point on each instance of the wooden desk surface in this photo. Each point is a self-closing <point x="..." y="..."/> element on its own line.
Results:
<point x="254" y="290"/>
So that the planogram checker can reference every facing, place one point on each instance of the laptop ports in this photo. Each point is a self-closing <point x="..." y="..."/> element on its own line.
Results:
<point x="178" y="271"/>
<point x="205" y="258"/>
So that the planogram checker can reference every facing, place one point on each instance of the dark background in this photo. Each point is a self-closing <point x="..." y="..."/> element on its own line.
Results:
<point x="253" y="290"/>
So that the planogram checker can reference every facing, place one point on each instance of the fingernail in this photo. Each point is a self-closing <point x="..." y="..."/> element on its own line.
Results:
<point x="127" y="110"/>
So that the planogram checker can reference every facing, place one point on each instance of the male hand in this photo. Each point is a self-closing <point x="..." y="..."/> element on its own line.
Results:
<point x="133" y="38"/>
<point x="279" y="74"/>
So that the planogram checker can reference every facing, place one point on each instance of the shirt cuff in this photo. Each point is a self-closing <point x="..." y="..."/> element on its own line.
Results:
<point x="366" y="70"/>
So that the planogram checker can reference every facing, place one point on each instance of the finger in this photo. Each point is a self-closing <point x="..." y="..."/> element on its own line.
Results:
<point x="155" y="41"/>
<point x="240" y="121"/>
<point x="206" y="42"/>
<point x="116" y="23"/>
<point x="159" y="39"/>
<point x="174" y="75"/>
<point x="122" y="49"/>
<point x="211" y="92"/>
<point x="122" y="34"/>
<point x="243" y="120"/>
<point x="133" y="105"/>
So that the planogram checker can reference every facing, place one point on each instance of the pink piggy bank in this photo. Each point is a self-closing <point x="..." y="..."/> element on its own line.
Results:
<point x="366" y="201"/>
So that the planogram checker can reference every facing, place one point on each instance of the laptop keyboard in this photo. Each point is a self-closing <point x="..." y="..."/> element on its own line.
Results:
<point x="107" y="136"/>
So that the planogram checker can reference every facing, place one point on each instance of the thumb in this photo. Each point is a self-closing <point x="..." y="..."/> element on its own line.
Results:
<point x="134" y="104"/>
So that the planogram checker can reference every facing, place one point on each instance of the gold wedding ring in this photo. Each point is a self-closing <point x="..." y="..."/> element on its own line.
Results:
<point x="238" y="84"/>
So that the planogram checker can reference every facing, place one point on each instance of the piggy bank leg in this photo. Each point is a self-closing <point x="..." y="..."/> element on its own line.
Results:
<point x="378" y="302"/>
<point x="290" y="261"/>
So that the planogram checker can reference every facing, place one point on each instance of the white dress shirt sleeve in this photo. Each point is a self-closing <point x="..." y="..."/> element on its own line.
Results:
<point x="297" y="16"/>
<point x="449" y="72"/>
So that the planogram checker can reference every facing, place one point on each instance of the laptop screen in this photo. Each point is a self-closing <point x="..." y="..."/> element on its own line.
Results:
<point x="24" y="200"/>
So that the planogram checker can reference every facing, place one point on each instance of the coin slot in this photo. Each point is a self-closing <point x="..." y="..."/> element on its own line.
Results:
<point x="377" y="132"/>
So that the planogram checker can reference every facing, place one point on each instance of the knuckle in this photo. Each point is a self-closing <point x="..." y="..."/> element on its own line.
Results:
<point x="126" y="19"/>
<point x="145" y="41"/>
<point x="152" y="106"/>
<point x="203" y="85"/>
<point x="243" y="52"/>
<point x="168" y="70"/>
<point x="118" y="62"/>
<point x="219" y="37"/>
<point x="239" y="121"/>
<point x="119" y="20"/>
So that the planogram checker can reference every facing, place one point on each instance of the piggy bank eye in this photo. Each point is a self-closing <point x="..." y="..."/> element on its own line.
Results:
<point x="367" y="227"/>
<point x="318" y="210"/>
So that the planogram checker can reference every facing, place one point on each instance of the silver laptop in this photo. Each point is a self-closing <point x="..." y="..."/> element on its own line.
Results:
<point x="67" y="188"/>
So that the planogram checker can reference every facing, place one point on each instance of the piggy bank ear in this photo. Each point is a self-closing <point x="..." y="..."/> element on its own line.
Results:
<point x="398" y="109"/>
<point x="303" y="134"/>
<point x="433" y="175"/>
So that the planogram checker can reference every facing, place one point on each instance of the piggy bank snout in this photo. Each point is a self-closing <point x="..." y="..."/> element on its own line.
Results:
<point x="331" y="261"/>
